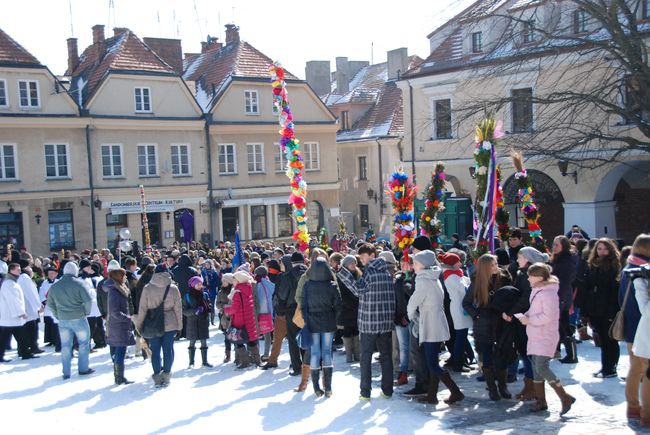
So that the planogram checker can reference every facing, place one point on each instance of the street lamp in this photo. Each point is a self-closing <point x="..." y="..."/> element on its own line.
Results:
<point x="563" y="166"/>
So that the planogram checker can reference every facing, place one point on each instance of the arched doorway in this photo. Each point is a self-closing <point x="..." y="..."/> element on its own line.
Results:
<point x="632" y="209"/>
<point x="316" y="219"/>
<point x="548" y="197"/>
<point x="181" y="225"/>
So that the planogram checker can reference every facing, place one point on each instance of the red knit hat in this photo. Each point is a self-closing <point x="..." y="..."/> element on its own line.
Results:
<point x="449" y="258"/>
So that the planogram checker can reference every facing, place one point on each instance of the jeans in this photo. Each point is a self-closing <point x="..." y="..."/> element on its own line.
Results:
<point x="403" y="339"/>
<point x="460" y="343"/>
<point x="382" y="341"/>
<point x="321" y="348"/>
<point x="486" y="348"/>
<point x="609" y="350"/>
<point x="117" y="354"/>
<point x="166" y="342"/>
<point x="541" y="370"/>
<point x="432" y="351"/>
<point x="68" y="329"/>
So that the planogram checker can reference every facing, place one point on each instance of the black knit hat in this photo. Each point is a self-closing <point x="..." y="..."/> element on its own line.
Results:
<point x="84" y="263"/>
<point x="297" y="257"/>
<point x="422" y="243"/>
<point x="23" y="263"/>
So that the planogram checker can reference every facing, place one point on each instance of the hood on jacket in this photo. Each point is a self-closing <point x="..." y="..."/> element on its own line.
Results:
<point x="378" y="264"/>
<point x="185" y="261"/>
<point x="161" y="279"/>
<point x="320" y="271"/>
<point x="546" y="286"/>
<point x="431" y="273"/>
<point x="286" y="260"/>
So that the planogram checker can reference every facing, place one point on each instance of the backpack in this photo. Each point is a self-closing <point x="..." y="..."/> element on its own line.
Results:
<point x="153" y="325"/>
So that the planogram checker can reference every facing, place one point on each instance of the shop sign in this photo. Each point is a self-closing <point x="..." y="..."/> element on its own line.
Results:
<point x="153" y="205"/>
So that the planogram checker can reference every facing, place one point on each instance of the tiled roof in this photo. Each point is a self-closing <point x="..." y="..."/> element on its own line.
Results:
<point x="383" y="119"/>
<point x="124" y="52"/>
<point x="212" y="70"/>
<point x="12" y="52"/>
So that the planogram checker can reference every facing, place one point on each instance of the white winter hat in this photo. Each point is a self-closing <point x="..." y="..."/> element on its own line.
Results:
<point x="113" y="265"/>
<point x="71" y="268"/>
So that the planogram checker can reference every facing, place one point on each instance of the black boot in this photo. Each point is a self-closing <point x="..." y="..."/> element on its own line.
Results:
<point x="191" y="352"/>
<point x="456" y="395"/>
<point x="490" y="381"/>
<point x="502" y="381"/>
<point x="432" y="392"/>
<point x="315" y="375"/>
<point x="571" y="352"/>
<point x="204" y="357"/>
<point x="327" y="381"/>
<point x="118" y="371"/>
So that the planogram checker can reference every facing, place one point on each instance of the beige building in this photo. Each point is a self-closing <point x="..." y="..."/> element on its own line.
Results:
<point x="74" y="151"/>
<point x="249" y="185"/>
<point x="608" y="201"/>
<point x="368" y="104"/>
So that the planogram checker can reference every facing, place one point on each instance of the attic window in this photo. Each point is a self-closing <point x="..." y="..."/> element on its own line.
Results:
<point x="477" y="42"/>
<point x="345" y="120"/>
<point x="528" y="34"/>
<point x="3" y="94"/>
<point x="28" y="93"/>
<point x="143" y="100"/>
<point x="580" y="20"/>
<point x="646" y="9"/>
<point x="252" y="103"/>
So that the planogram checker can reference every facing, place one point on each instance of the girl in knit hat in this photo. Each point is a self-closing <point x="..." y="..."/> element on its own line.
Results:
<point x="242" y="314"/>
<point x="427" y="305"/>
<point x="457" y="285"/>
<point x="197" y="309"/>
<point x="223" y="299"/>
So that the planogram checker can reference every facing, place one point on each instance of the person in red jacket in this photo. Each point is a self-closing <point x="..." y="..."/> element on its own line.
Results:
<point x="242" y="315"/>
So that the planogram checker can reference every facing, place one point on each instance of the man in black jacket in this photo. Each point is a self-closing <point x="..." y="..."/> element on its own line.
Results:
<point x="287" y="300"/>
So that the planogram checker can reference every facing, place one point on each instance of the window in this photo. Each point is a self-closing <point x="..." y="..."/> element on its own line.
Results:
<point x="28" y="93"/>
<point x="528" y="33"/>
<point x="255" y="157"/>
<point x="7" y="162"/>
<point x="147" y="161"/>
<point x="278" y="159"/>
<point x="477" y="42"/>
<point x="345" y="120"/>
<point x="4" y="101"/>
<point x="310" y="156"/>
<point x="112" y="161"/>
<point x="143" y="100"/>
<point x="285" y="220"/>
<point x="580" y="20"/>
<point x="252" y="103"/>
<point x="258" y="222"/>
<point x="275" y="108"/>
<point x="363" y="168"/>
<point x="61" y="229"/>
<point x="181" y="160"/>
<point x="227" y="159"/>
<point x="631" y="100"/>
<point x="646" y="9"/>
<point x="56" y="161"/>
<point x="364" y="215"/>
<point x="114" y="223"/>
<point x="442" y="118"/>
<point x="522" y="110"/>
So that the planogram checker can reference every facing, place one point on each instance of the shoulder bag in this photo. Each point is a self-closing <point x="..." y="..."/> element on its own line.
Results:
<point x="617" y="330"/>
<point x="265" y="320"/>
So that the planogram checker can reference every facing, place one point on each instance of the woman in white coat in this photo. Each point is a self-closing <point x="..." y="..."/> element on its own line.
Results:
<point x="12" y="311"/>
<point x="427" y="306"/>
<point x="641" y="346"/>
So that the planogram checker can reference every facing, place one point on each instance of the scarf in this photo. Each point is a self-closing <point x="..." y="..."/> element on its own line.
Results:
<point x="450" y="272"/>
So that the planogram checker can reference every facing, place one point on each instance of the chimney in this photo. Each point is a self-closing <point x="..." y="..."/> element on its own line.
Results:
<point x="317" y="73"/>
<point x="398" y="62"/>
<point x="342" y="75"/>
<point x="169" y="50"/>
<point x="232" y="34"/>
<point x="211" y="43"/>
<point x="119" y="31"/>
<point x="73" y="55"/>
<point x="98" y="40"/>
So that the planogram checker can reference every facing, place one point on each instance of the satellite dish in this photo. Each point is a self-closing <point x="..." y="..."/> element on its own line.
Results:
<point x="125" y="245"/>
<point x="125" y="233"/>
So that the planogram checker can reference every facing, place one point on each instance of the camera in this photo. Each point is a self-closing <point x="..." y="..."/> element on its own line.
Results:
<point x="638" y="272"/>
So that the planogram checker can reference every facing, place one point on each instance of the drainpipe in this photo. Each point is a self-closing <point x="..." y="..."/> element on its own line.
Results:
<point x="381" y="178"/>
<point x="91" y="185"/>
<point x="417" y="223"/>
<point x="208" y="147"/>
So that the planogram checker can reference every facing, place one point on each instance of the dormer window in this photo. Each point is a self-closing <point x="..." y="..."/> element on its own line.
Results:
<point x="252" y="103"/>
<point x="477" y="42"/>
<point x="4" y="101"/>
<point x="580" y="21"/>
<point x="142" y="100"/>
<point x="528" y="34"/>
<point x="28" y="93"/>
<point x="345" y="120"/>
<point x="646" y="9"/>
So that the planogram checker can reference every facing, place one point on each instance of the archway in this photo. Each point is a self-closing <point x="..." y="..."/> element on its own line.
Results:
<point x="315" y="215"/>
<point x="630" y="184"/>
<point x="548" y="197"/>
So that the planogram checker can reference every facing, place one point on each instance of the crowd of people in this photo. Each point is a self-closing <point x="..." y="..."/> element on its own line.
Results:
<point x="520" y="306"/>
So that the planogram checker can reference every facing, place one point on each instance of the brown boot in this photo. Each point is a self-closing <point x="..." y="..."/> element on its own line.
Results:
<point x="583" y="334"/>
<point x="633" y="412"/>
<point x="432" y="391"/>
<point x="456" y="394"/>
<point x="242" y="356"/>
<point x="528" y="392"/>
<point x="255" y="355"/>
<point x="304" y="379"/>
<point x="566" y="399"/>
<point x="540" y="397"/>
<point x="645" y="419"/>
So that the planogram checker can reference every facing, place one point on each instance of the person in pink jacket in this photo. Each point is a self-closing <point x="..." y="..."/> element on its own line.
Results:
<point x="541" y="320"/>
<point x="242" y="315"/>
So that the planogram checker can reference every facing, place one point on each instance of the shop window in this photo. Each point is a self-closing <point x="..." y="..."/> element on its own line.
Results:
<point x="114" y="223"/>
<point x="258" y="222"/>
<point x="61" y="229"/>
<point x="285" y="220"/>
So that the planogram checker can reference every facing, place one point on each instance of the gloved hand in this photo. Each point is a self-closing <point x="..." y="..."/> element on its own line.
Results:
<point x="198" y="311"/>
<point x="178" y="335"/>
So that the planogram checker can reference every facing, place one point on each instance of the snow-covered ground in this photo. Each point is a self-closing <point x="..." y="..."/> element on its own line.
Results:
<point x="34" y="398"/>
